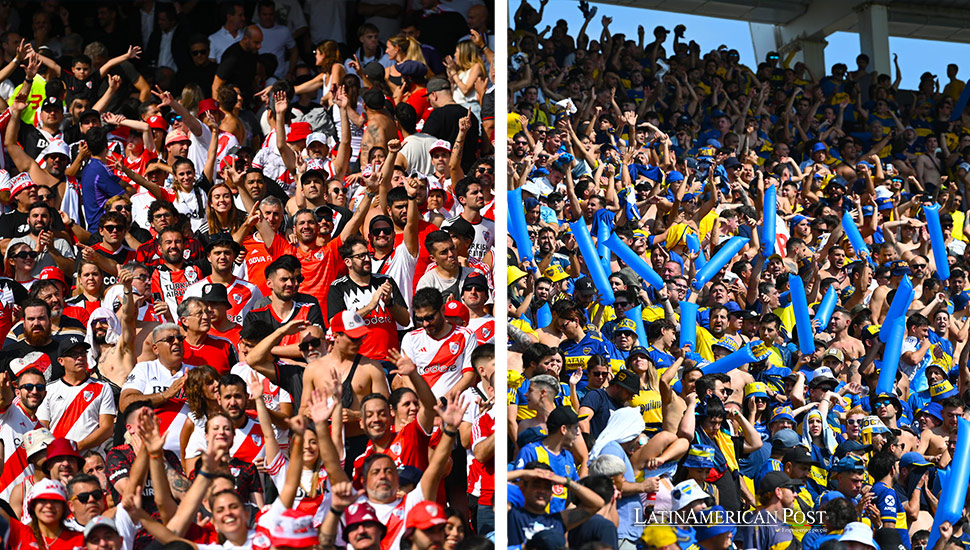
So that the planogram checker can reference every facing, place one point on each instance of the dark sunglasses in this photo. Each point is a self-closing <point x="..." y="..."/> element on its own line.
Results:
<point x="32" y="387"/>
<point x="382" y="231"/>
<point x="120" y="207"/>
<point x="111" y="228"/>
<point x="425" y="319"/>
<point x="199" y="52"/>
<point x="597" y="374"/>
<point x="24" y="254"/>
<point x="87" y="497"/>
<point x="172" y="339"/>
<point x="485" y="170"/>
<point x="307" y="345"/>
<point x="882" y="403"/>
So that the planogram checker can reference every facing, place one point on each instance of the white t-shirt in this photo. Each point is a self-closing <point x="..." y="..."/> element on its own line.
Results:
<point x="220" y="41"/>
<point x="150" y="377"/>
<point x="441" y="362"/>
<point x="484" y="237"/>
<point x="75" y="412"/>
<point x="277" y="40"/>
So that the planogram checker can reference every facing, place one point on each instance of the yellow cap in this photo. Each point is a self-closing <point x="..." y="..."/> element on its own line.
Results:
<point x="515" y="274"/>
<point x="658" y="536"/>
<point x="555" y="273"/>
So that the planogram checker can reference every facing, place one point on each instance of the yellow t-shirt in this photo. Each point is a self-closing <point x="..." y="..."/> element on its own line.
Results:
<point x="38" y="92"/>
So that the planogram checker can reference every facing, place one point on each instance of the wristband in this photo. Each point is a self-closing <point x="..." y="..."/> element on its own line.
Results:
<point x="336" y="512"/>
<point x="160" y="455"/>
<point x="371" y="195"/>
<point x="450" y="433"/>
<point x="412" y="197"/>
<point x="207" y="475"/>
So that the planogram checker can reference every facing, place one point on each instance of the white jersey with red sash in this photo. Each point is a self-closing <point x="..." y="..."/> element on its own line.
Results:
<point x="14" y="423"/>
<point x="484" y="329"/>
<point x="441" y="362"/>
<point x="150" y="377"/>
<point x="316" y="483"/>
<point x="247" y="443"/>
<point x="75" y="412"/>
<point x="393" y="514"/>
<point x="273" y="397"/>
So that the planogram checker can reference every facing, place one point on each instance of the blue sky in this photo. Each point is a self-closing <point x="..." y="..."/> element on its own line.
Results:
<point x="915" y="56"/>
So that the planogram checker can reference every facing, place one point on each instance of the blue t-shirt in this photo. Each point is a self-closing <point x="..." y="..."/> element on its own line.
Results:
<point x="891" y="509"/>
<point x="562" y="464"/>
<point x="602" y="406"/>
<point x="98" y="184"/>
<point x="578" y="353"/>
<point x="661" y="359"/>
<point x="524" y="525"/>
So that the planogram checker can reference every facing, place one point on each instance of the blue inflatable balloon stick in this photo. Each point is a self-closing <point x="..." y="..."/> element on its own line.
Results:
<point x="718" y="261"/>
<point x="897" y="309"/>
<point x="737" y="359"/>
<point x="635" y="314"/>
<point x="688" y="324"/>
<point x="799" y="302"/>
<point x="517" y="226"/>
<point x="769" y="235"/>
<point x="890" y="356"/>
<point x="694" y="245"/>
<point x="636" y="263"/>
<point x="954" y="493"/>
<point x="825" y="309"/>
<point x="543" y="316"/>
<point x="596" y="271"/>
<point x="855" y="237"/>
<point x="937" y="243"/>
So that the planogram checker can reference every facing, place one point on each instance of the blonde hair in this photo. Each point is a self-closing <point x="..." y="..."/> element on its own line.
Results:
<point x="410" y="47"/>
<point x="191" y="96"/>
<point x="468" y="56"/>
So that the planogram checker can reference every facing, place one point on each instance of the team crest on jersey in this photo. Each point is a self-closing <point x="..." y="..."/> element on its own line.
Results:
<point x="237" y="298"/>
<point x="486" y="332"/>
<point x="234" y="472"/>
<point x="587" y="350"/>
<point x="486" y="235"/>
<point x="396" y="448"/>
<point x="186" y="253"/>
<point x="318" y="255"/>
<point x="257" y="439"/>
<point x="88" y="394"/>
<point x="453" y="347"/>
<point x="190" y="274"/>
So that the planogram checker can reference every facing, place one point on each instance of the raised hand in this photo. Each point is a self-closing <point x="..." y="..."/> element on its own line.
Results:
<point x="344" y="495"/>
<point x="280" y="103"/>
<point x="112" y="118"/>
<point x="320" y="407"/>
<point x="133" y="52"/>
<point x="477" y="39"/>
<point x="394" y="146"/>
<point x="33" y="65"/>
<point x="451" y="414"/>
<point x="465" y="123"/>
<point x="405" y="366"/>
<point x="297" y="424"/>
<point x="165" y="98"/>
<point x="341" y="98"/>
<point x="255" y="386"/>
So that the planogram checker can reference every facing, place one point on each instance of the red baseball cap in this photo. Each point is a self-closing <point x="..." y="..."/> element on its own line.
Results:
<point x="298" y="131"/>
<point x="293" y="529"/>
<point x="21" y="182"/>
<point x="156" y="122"/>
<point x="208" y="105"/>
<point x="425" y="515"/>
<point x="227" y="161"/>
<point x="360" y="512"/>
<point x="54" y="273"/>
<point x="349" y="323"/>
<point x="454" y="308"/>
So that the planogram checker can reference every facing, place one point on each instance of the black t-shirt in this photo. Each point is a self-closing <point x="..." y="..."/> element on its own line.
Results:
<point x="488" y="105"/>
<point x="238" y="67"/>
<point x="118" y="466"/>
<point x="601" y="404"/>
<point x="309" y="312"/>
<point x="442" y="123"/>
<point x="129" y="75"/>
<point x="13" y="349"/>
<point x="14" y="224"/>
<point x="77" y="87"/>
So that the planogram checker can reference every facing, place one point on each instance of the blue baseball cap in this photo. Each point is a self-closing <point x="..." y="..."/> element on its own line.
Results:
<point x="785" y="438"/>
<point x="713" y="526"/>
<point x="829" y="496"/>
<point x="849" y="463"/>
<point x="674" y="176"/>
<point x="912" y="459"/>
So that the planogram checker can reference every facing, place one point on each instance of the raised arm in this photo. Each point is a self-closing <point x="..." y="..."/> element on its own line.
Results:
<point x="133" y="53"/>
<point x="407" y="369"/>
<point x="341" y="165"/>
<point x="357" y="220"/>
<point x="280" y="107"/>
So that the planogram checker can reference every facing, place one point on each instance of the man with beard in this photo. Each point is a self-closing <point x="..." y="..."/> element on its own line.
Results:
<point x="397" y="200"/>
<point x="53" y="252"/>
<point x="441" y="350"/>
<point x="313" y="184"/>
<point x="221" y="253"/>
<point x="470" y="195"/>
<point x="839" y="326"/>
<point x="398" y="257"/>
<point x="379" y="472"/>
<point x="161" y="216"/>
<point x="201" y="348"/>
<point x="13" y="224"/>
<point x="112" y="251"/>
<point x="78" y="407"/>
<point x="50" y="288"/>
<point x="283" y="307"/>
<point x="315" y="248"/>
<point x="376" y="298"/>
<point x="362" y="530"/>
<point x="36" y="337"/>
<point x="18" y="415"/>
<point x="448" y="274"/>
<point x="361" y="377"/>
<point x="174" y="276"/>
<point x="550" y="253"/>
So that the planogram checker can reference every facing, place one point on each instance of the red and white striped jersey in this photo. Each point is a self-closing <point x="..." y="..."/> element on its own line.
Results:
<point x="242" y="295"/>
<point x="75" y="412"/>
<point x="14" y="423"/>
<point x="483" y="427"/>
<point x="273" y="396"/>
<point x="441" y="362"/>
<point x="484" y="329"/>
<point x="173" y="284"/>
<point x="319" y="504"/>
<point x="247" y="443"/>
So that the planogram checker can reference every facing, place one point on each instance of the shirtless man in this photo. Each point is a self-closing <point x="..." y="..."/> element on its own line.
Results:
<point x="114" y="362"/>
<point x="380" y="127"/>
<point x="834" y="267"/>
<point x="850" y="346"/>
<point x="928" y="167"/>
<point x="552" y="334"/>
<point x="887" y="408"/>
<point x="368" y="376"/>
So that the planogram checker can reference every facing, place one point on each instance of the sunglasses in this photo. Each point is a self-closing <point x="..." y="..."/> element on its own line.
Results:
<point x="32" y="387"/>
<point x="882" y="403"/>
<point x="307" y="345"/>
<point x="360" y="256"/>
<point x="199" y="52"/>
<point x="172" y="339"/>
<point x="382" y="231"/>
<point x="89" y="496"/>
<point x="485" y="170"/>
<point x="120" y="207"/>
<point x="425" y="319"/>
<point x="24" y="254"/>
<point x="111" y="228"/>
<point x="598" y="374"/>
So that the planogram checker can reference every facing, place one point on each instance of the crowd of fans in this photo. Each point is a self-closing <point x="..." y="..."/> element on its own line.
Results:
<point x="247" y="275"/>
<point x="664" y="154"/>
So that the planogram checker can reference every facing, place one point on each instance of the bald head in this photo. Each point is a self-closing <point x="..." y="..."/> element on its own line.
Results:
<point x="252" y="39"/>
<point x="478" y="17"/>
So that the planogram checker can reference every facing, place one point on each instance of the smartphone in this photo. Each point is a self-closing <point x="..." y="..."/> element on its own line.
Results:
<point x="157" y="296"/>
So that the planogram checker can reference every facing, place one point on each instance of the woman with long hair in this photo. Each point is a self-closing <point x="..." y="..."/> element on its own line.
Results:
<point x="202" y="400"/>
<point x="47" y="505"/>
<point x="90" y="286"/>
<point x="463" y="73"/>
<point x="755" y="407"/>
<point x="327" y="60"/>
<point x="221" y="214"/>
<point x="20" y="262"/>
